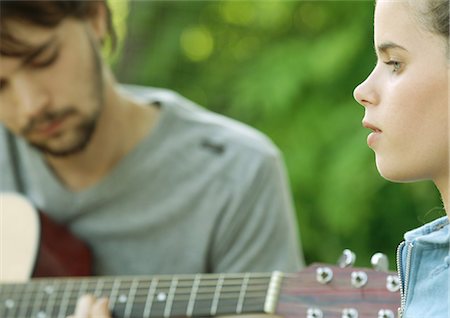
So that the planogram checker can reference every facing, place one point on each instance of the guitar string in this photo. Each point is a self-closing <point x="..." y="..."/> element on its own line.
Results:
<point x="143" y="298"/>
<point x="228" y="291"/>
<point x="328" y="309"/>
<point x="228" y="309"/>
<point x="53" y="287"/>
<point x="231" y="309"/>
<point x="126" y="285"/>
<point x="180" y="295"/>
<point x="203" y="293"/>
<point x="250" y="306"/>
<point x="128" y="281"/>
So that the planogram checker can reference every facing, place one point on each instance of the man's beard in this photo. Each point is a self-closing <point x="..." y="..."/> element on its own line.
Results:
<point x="85" y="130"/>
<point x="84" y="133"/>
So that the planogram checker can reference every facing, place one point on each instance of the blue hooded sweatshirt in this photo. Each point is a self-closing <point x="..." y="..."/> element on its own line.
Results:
<point x="423" y="265"/>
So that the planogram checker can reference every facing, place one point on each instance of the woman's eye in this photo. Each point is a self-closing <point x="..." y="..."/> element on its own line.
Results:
<point x="396" y="66"/>
<point x="45" y="61"/>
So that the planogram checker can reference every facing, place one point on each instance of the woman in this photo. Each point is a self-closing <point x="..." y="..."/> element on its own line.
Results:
<point x="406" y="107"/>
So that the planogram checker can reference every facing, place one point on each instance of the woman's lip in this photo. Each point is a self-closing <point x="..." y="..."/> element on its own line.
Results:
<point x="373" y="137"/>
<point x="370" y="126"/>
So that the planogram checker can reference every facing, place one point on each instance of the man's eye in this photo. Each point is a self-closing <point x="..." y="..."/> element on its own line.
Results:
<point x="396" y="66"/>
<point x="3" y="84"/>
<point x="44" y="62"/>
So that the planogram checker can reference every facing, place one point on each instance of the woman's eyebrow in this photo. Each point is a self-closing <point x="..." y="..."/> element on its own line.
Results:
<point x="385" y="46"/>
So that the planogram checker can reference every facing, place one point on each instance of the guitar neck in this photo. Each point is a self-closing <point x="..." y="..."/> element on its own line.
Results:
<point x="158" y="296"/>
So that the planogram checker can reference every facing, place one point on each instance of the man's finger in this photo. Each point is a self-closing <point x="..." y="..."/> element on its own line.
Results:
<point x="84" y="305"/>
<point x="100" y="309"/>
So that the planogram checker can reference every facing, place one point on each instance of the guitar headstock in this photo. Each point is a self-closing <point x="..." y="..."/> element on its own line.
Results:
<point x="322" y="291"/>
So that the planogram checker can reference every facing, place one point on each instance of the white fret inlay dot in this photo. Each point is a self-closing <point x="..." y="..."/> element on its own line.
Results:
<point x="49" y="289"/>
<point x="41" y="314"/>
<point x="122" y="299"/>
<point x="9" y="303"/>
<point x="161" y="296"/>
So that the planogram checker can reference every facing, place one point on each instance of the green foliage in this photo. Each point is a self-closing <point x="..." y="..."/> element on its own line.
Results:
<point x="287" y="68"/>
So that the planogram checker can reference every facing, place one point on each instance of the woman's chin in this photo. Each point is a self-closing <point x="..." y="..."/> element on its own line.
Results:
<point x="395" y="173"/>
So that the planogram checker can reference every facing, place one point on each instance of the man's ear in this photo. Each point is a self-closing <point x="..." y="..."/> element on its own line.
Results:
<point x="99" y="21"/>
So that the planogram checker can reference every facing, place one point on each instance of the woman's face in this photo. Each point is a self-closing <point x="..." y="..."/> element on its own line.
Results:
<point x="406" y="97"/>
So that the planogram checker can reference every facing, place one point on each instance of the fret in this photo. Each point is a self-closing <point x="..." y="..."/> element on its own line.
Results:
<point x="150" y="297"/>
<point x="114" y="293"/>
<point x="11" y="303"/>
<point x="273" y="292"/>
<point x="203" y="301"/>
<point x="83" y="288"/>
<point x="118" y="290"/>
<point x="38" y="300"/>
<point x="3" y="301"/>
<point x="91" y="286"/>
<point x="215" y="301"/>
<point x="99" y="288"/>
<point x="160" y="298"/>
<point x="122" y="297"/>
<point x="24" y="308"/>
<point x="131" y="295"/>
<point x="170" y="297"/>
<point x="51" y="289"/>
<point x="193" y="294"/>
<point x="242" y="293"/>
<point x="65" y="299"/>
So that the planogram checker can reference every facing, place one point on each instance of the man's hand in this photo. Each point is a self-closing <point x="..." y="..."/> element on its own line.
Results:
<point x="90" y="307"/>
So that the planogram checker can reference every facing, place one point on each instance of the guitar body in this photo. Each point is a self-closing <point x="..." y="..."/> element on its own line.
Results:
<point x="19" y="237"/>
<point x="32" y="245"/>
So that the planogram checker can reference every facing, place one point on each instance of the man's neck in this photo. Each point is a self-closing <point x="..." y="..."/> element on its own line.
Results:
<point x="121" y="126"/>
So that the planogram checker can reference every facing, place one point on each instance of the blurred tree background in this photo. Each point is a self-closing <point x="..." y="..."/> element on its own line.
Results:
<point x="287" y="68"/>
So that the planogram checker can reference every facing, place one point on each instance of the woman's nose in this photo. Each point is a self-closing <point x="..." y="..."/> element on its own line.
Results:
<point x="366" y="93"/>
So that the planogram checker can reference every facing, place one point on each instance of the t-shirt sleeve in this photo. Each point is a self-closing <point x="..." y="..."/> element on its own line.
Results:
<point x="258" y="230"/>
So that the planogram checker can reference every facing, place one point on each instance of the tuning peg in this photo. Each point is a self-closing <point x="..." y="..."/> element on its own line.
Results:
<point x="324" y="275"/>
<point x="314" y="313"/>
<point x="349" y="313"/>
<point x="347" y="259"/>
<point x="380" y="262"/>
<point x="393" y="283"/>
<point x="359" y="279"/>
<point x="386" y="313"/>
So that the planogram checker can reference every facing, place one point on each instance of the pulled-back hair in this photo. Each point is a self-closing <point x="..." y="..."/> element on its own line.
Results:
<point x="434" y="15"/>
<point x="439" y="10"/>
<point x="44" y="13"/>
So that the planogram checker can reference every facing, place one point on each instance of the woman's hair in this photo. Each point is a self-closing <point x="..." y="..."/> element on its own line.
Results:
<point x="433" y="15"/>
<point x="45" y="13"/>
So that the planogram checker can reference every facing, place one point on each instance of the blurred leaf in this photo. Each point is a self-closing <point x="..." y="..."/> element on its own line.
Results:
<point x="289" y="69"/>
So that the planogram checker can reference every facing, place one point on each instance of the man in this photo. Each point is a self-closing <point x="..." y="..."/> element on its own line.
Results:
<point x="152" y="182"/>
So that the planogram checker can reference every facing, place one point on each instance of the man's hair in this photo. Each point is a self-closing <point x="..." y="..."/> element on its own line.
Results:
<point x="44" y="13"/>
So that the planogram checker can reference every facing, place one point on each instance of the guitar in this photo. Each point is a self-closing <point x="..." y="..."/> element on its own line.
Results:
<point x="317" y="291"/>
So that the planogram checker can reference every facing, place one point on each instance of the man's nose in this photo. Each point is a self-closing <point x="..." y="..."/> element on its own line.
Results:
<point x="31" y="97"/>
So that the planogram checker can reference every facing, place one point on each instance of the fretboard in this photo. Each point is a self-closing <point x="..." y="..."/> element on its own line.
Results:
<point x="158" y="296"/>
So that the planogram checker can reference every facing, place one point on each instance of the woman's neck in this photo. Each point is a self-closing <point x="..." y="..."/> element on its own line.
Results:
<point x="443" y="186"/>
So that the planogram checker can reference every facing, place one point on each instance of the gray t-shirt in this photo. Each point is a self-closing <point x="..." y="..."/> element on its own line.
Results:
<point x="202" y="193"/>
